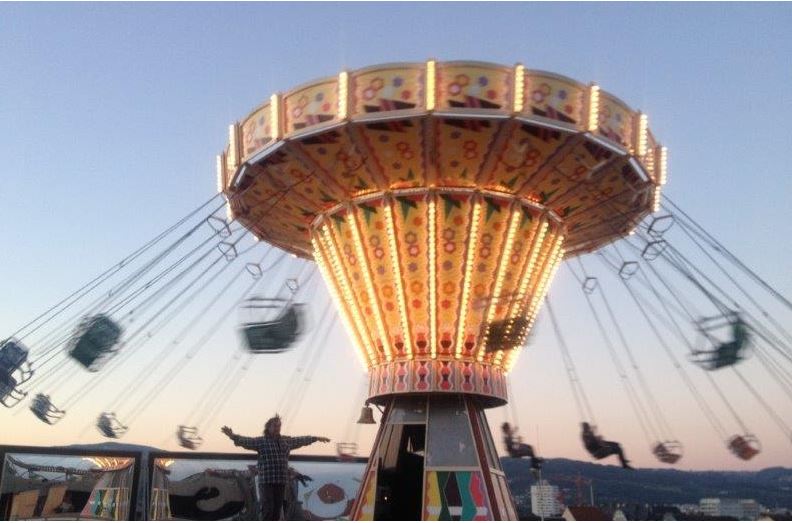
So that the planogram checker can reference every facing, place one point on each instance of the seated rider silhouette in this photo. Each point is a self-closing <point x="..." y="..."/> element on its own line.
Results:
<point x="729" y="353"/>
<point x="517" y="449"/>
<point x="599" y="448"/>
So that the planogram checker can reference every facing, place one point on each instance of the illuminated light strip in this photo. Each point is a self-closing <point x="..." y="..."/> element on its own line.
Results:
<point x="519" y="88"/>
<point x="643" y="127"/>
<point x="431" y="80"/>
<point x="663" y="166"/>
<point x="469" y="256"/>
<point x="364" y="266"/>
<point x="547" y="266"/>
<point x="406" y="335"/>
<point x="593" y="109"/>
<point x="332" y="248"/>
<point x="514" y="223"/>
<point x="275" y="117"/>
<point x="542" y="291"/>
<point x="343" y="95"/>
<point x="530" y="304"/>
<point x="233" y="146"/>
<point x="433" y="274"/>
<point x="332" y="284"/>
<point x="221" y="173"/>
<point x="656" y="198"/>
<point x="536" y="246"/>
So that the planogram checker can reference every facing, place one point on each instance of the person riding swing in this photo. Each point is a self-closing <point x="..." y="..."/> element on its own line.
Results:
<point x="517" y="449"/>
<point x="600" y="448"/>
<point x="273" y="462"/>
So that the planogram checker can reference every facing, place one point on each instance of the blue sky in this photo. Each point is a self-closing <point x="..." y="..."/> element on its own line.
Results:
<point x="111" y="114"/>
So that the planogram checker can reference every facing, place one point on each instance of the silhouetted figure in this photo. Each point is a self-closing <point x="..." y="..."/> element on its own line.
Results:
<point x="599" y="448"/>
<point x="273" y="462"/>
<point x="517" y="449"/>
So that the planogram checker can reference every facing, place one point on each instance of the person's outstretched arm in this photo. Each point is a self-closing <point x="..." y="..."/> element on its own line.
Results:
<point x="243" y="441"/>
<point x="296" y="442"/>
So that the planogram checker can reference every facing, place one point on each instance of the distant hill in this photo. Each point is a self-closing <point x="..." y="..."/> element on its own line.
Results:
<point x="771" y="487"/>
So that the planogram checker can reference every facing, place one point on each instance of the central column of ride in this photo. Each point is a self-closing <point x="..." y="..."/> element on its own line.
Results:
<point x="438" y="287"/>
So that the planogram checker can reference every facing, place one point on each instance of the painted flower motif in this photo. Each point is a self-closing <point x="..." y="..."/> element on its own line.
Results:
<point x="449" y="247"/>
<point x="486" y="238"/>
<point x="416" y="304"/>
<point x="413" y="250"/>
<point x="368" y="93"/>
<point x="449" y="287"/>
<point x="319" y="97"/>
<point x="326" y="107"/>
<point x="447" y="265"/>
<point x="411" y="237"/>
<point x="470" y="154"/>
<point x="347" y="249"/>
<point x="322" y="151"/>
<point x="568" y="109"/>
<point x="379" y="253"/>
<point x="416" y="286"/>
<point x="454" y="163"/>
<point x="398" y="81"/>
<point x="537" y="96"/>
<point x="387" y="291"/>
<point x="296" y="112"/>
<point x="482" y="267"/>
<point x="491" y="94"/>
<point x="454" y="89"/>
<point x="562" y="94"/>
<point x="374" y="241"/>
<point x="412" y="266"/>
<point x="449" y="233"/>
<point x="383" y="138"/>
<point x="406" y="94"/>
<point x="397" y="165"/>
<point x="479" y="289"/>
<point x="483" y="81"/>
<point x="455" y="135"/>
<point x="485" y="252"/>
<point x="351" y="259"/>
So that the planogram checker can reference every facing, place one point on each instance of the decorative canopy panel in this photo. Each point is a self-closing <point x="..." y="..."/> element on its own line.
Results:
<point x="438" y="199"/>
<point x="573" y="148"/>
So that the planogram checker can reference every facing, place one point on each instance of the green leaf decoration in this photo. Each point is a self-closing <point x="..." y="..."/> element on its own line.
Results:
<point x="492" y="208"/>
<point x="361" y="185"/>
<point x="326" y="197"/>
<point x="339" y="220"/>
<point x="410" y="175"/>
<point x="463" y="174"/>
<point x="510" y="183"/>
<point x="368" y="212"/>
<point x="526" y="217"/>
<point x="405" y="204"/>
<point x="544" y="196"/>
<point x="449" y="204"/>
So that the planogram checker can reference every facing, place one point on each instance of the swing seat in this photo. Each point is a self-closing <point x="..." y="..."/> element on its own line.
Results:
<point x="188" y="437"/>
<point x="667" y="451"/>
<point x="745" y="446"/>
<point x="13" y="355"/>
<point x="277" y="335"/>
<point x="506" y="334"/>
<point x="94" y="340"/>
<point x="109" y="426"/>
<point x="726" y="353"/>
<point x="44" y="410"/>
<point x="10" y="395"/>
<point x="346" y="451"/>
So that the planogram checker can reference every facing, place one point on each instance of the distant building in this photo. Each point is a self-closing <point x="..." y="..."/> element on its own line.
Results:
<point x="584" y="514"/>
<point x="545" y="500"/>
<point x="743" y="509"/>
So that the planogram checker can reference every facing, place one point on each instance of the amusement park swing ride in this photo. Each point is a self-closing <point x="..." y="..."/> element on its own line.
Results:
<point x="437" y="201"/>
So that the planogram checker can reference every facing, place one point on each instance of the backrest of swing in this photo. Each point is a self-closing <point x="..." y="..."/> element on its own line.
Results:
<point x="95" y="338"/>
<point x="7" y="385"/>
<point x="668" y="451"/>
<point x="12" y="355"/>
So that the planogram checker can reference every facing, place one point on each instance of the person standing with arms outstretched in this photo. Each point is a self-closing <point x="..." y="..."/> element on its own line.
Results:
<point x="273" y="462"/>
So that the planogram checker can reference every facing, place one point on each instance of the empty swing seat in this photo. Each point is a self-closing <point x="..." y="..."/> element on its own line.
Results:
<point x="276" y="335"/>
<point x="13" y="355"/>
<point x="44" y="410"/>
<point x="188" y="437"/>
<point x="346" y="451"/>
<point x="94" y="341"/>
<point x="109" y="426"/>
<point x="667" y="451"/>
<point x="745" y="446"/>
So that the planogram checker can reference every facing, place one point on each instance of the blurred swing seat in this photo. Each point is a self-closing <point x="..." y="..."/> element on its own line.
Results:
<point x="188" y="437"/>
<point x="725" y="353"/>
<point x="109" y="426"/>
<point x="668" y="451"/>
<point x="346" y="451"/>
<point x="745" y="446"/>
<point x="506" y="334"/>
<point x="15" y="369"/>
<point x="44" y="410"/>
<point x="10" y="395"/>
<point x="94" y="340"/>
<point x="275" y="335"/>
